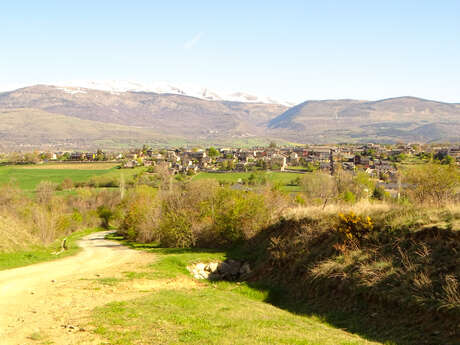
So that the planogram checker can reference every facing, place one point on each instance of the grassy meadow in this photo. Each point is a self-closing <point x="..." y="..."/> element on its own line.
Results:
<point x="206" y="313"/>
<point x="28" y="177"/>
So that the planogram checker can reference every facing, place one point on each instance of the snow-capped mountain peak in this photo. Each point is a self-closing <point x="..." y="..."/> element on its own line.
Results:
<point x="118" y="86"/>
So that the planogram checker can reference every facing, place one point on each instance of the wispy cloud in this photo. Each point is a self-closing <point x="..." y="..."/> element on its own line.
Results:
<point x="193" y="41"/>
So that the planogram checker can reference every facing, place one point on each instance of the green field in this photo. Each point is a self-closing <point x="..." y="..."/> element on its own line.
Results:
<point x="28" y="177"/>
<point x="282" y="179"/>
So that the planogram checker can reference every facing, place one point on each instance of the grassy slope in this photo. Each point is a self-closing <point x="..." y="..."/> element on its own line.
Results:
<point x="218" y="313"/>
<point x="281" y="178"/>
<point x="392" y="288"/>
<point x="36" y="127"/>
<point x="41" y="253"/>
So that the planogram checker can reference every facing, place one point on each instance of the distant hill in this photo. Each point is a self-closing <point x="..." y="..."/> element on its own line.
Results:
<point x="389" y="120"/>
<point x="163" y="115"/>
<point x="32" y="128"/>
<point x="81" y="117"/>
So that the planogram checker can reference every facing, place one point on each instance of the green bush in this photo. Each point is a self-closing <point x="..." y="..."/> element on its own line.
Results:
<point x="349" y="196"/>
<point x="105" y="214"/>
<point x="378" y="193"/>
<point x="197" y="213"/>
<point x="431" y="183"/>
<point x="239" y="215"/>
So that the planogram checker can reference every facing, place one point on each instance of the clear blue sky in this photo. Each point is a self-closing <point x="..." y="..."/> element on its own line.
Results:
<point x="295" y="50"/>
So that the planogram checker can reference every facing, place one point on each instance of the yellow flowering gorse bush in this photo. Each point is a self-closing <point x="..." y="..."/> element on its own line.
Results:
<point x="354" y="226"/>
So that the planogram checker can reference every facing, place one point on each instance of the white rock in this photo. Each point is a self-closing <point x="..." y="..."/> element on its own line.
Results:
<point x="212" y="267"/>
<point x="200" y="266"/>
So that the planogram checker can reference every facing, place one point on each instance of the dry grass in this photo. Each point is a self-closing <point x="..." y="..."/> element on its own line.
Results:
<point x="361" y="207"/>
<point x="14" y="234"/>
<point x="409" y="259"/>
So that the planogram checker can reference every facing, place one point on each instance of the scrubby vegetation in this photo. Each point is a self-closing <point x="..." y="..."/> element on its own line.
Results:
<point x="27" y="221"/>
<point x="199" y="213"/>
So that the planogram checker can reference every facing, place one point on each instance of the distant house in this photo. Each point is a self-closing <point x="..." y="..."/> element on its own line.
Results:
<point x="321" y="154"/>
<point x="90" y="156"/>
<point x="76" y="156"/>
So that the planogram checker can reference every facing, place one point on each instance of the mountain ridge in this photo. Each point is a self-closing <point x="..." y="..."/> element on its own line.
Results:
<point x="162" y="116"/>
<point x="160" y="87"/>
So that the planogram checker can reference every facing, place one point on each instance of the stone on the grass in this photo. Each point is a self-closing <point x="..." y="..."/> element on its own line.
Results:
<point x="212" y="267"/>
<point x="234" y="267"/>
<point x="231" y="270"/>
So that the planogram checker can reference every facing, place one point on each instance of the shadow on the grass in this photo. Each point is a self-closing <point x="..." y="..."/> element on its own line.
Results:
<point x="390" y="326"/>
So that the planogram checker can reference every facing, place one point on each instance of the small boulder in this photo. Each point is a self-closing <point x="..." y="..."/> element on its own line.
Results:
<point x="234" y="267"/>
<point x="212" y="267"/>
<point x="224" y="269"/>
<point x="203" y="275"/>
<point x="200" y="266"/>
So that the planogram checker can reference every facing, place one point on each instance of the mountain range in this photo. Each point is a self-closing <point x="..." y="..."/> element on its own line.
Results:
<point x="114" y="115"/>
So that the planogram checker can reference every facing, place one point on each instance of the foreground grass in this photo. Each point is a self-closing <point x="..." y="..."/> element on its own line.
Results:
<point x="211" y="316"/>
<point x="43" y="253"/>
<point x="213" y="313"/>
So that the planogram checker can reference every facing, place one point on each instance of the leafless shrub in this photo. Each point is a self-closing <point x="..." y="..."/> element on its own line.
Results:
<point x="319" y="186"/>
<point x="45" y="191"/>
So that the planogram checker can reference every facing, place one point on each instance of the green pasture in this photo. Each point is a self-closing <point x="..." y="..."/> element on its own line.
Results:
<point x="28" y="178"/>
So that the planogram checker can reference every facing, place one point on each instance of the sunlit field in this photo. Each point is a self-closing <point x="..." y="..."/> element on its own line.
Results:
<point x="28" y="177"/>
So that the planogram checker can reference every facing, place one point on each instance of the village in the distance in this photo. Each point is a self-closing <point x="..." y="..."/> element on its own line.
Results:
<point x="377" y="160"/>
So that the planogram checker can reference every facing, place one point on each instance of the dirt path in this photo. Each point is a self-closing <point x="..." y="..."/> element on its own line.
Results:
<point x="48" y="303"/>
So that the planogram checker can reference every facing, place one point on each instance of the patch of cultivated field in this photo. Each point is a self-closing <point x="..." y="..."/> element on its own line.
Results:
<point x="73" y="166"/>
<point x="28" y="178"/>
